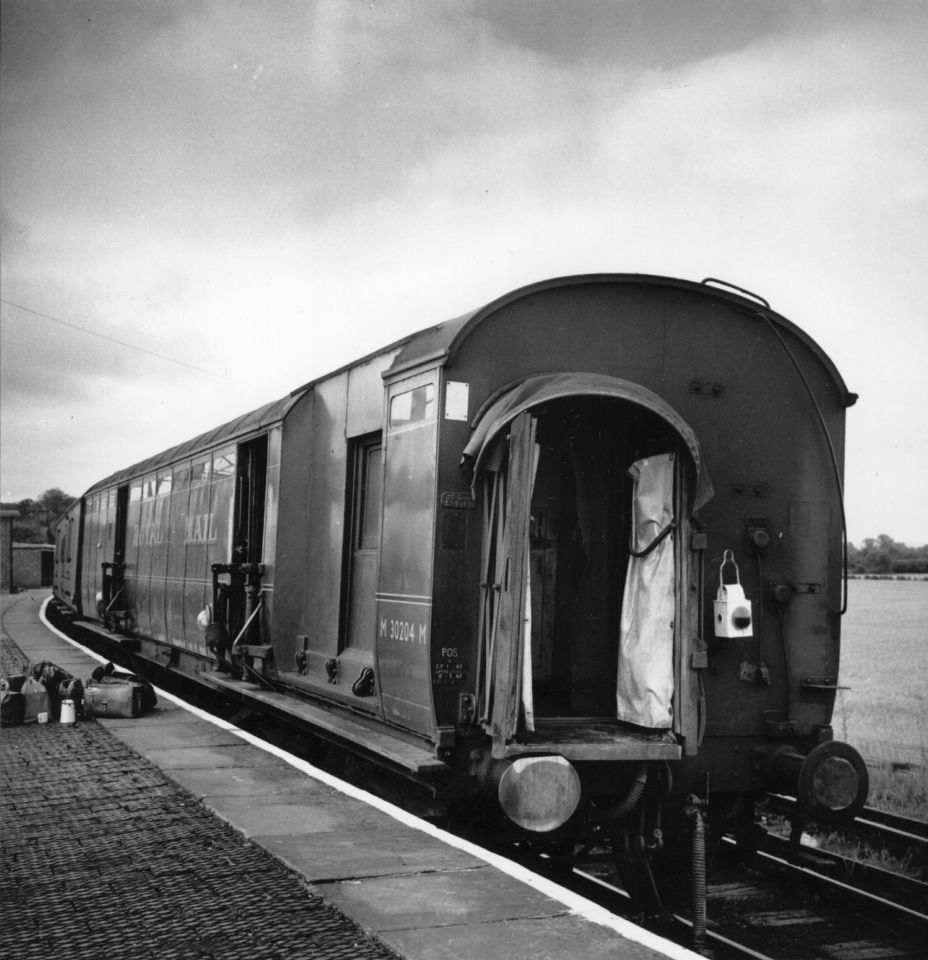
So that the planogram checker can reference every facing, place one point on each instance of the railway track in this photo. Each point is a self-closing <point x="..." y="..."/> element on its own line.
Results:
<point x="780" y="900"/>
<point x="764" y="907"/>
<point x="775" y="901"/>
<point x="905" y="839"/>
<point x="860" y="851"/>
<point x="788" y="906"/>
<point x="867" y="878"/>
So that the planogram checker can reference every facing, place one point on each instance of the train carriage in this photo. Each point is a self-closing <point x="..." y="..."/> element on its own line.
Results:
<point x="587" y="535"/>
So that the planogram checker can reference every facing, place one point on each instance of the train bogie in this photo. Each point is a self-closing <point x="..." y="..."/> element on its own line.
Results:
<point x="498" y="544"/>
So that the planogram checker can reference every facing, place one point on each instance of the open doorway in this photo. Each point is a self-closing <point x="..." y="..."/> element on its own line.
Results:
<point x="250" y="494"/>
<point x="561" y="509"/>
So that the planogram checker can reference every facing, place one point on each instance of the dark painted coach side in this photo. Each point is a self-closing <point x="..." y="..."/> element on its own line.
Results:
<point x="727" y="368"/>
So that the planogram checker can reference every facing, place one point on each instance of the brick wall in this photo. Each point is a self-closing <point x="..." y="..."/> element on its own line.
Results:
<point x="27" y="564"/>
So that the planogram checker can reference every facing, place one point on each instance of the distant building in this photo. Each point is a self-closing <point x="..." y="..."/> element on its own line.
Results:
<point x="6" y="548"/>
<point x="33" y="565"/>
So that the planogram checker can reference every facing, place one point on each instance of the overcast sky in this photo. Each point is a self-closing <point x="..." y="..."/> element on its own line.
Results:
<point x="253" y="193"/>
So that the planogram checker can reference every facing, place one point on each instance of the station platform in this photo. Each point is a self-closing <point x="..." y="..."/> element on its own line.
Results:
<point x="176" y="835"/>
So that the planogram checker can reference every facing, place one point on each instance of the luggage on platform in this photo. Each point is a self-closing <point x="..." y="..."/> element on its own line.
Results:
<point x="112" y="697"/>
<point x="118" y="695"/>
<point x="36" y="701"/>
<point x="51" y="677"/>
<point x="37" y="696"/>
<point x="73" y="690"/>
<point x="12" y="702"/>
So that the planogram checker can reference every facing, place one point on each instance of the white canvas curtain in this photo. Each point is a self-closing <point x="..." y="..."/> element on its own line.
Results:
<point x="528" y="698"/>
<point x="645" y="676"/>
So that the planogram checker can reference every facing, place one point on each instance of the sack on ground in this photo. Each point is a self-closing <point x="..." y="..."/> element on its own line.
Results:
<point x="51" y="677"/>
<point x="36" y="700"/>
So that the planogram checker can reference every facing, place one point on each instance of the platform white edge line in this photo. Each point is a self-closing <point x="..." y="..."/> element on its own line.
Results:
<point x="578" y="905"/>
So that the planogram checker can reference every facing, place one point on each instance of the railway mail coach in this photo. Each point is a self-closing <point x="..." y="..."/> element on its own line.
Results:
<point x="565" y="550"/>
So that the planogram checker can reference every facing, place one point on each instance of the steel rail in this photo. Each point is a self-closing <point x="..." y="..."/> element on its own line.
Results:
<point x="866" y="878"/>
<point x="807" y="869"/>
<point x="913" y="827"/>
<point x="905" y="838"/>
<point x="909" y="827"/>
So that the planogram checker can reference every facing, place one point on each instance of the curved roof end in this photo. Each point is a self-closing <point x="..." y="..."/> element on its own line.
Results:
<point x="535" y="390"/>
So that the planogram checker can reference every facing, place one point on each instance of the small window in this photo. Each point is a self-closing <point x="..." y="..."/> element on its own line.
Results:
<point x="413" y="406"/>
<point x="135" y="492"/>
<point x="182" y="477"/>
<point x="224" y="464"/>
<point x="369" y="497"/>
<point x="163" y="487"/>
<point x="200" y="471"/>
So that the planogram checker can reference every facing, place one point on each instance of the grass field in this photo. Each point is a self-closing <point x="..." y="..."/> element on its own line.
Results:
<point x="884" y="660"/>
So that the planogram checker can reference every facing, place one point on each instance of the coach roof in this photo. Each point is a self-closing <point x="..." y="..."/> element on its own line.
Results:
<point x="242" y="426"/>
<point x="440" y="343"/>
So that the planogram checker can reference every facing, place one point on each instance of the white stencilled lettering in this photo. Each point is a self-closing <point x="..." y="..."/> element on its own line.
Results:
<point x="403" y="631"/>
<point x="199" y="528"/>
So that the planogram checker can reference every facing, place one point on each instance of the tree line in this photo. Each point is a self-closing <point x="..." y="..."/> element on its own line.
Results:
<point x="884" y="555"/>
<point x="37" y="518"/>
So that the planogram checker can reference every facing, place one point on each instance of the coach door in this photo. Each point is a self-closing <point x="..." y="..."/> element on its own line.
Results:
<point x="366" y="505"/>
<point x="122" y="510"/>
<point x="114" y="602"/>
<point x="240" y="606"/>
<point x="250" y="490"/>
<point x="585" y="499"/>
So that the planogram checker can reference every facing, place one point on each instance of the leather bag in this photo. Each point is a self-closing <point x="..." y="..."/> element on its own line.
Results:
<point x="113" y="697"/>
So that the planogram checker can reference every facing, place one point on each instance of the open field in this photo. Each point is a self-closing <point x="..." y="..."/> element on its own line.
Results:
<point x="884" y="660"/>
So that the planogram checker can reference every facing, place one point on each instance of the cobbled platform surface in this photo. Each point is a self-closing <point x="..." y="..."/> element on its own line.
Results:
<point x="102" y="856"/>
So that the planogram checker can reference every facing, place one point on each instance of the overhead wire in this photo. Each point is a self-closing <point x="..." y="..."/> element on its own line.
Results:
<point x="103" y="336"/>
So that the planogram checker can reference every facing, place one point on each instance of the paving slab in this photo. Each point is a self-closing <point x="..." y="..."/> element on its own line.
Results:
<point x="292" y="816"/>
<point x="245" y="782"/>
<point x="364" y="852"/>
<point x="439" y="899"/>
<point x="142" y="735"/>
<point x="540" y="938"/>
<point x="214" y="758"/>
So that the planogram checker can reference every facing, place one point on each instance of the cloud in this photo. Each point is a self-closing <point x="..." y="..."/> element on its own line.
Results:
<point x="646" y="33"/>
<point x="268" y="191"/>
